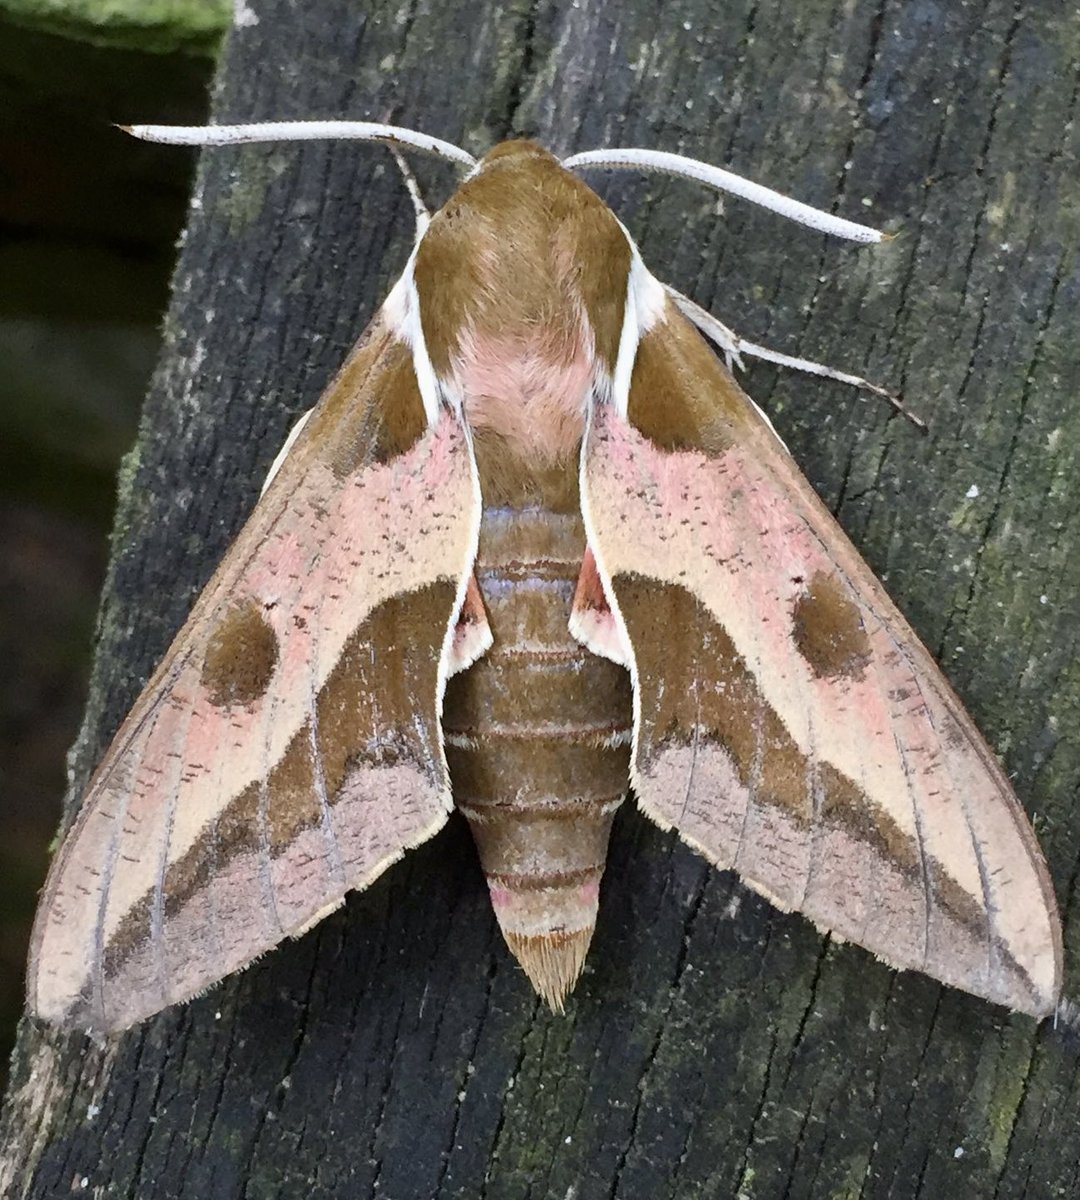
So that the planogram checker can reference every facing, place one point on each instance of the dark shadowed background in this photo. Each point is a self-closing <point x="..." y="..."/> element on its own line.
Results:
<point x="714" y="1047"/>
<point x="87" y="234"/>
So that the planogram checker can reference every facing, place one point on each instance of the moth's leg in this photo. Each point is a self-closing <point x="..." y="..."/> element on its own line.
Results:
<point x="734" y="347"/>
<point x="423" y="215"/>
<point x="726" y="340"/>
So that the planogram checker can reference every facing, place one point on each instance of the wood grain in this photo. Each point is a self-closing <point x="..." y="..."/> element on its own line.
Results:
<point x="712" y="1046"/>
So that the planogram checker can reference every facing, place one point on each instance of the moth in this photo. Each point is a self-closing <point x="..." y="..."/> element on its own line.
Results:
<point x="534" y="544"/>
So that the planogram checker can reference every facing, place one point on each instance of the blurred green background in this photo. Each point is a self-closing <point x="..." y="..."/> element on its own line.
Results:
<point x="88" y="227"/>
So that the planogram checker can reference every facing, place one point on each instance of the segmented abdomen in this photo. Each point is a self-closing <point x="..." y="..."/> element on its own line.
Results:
<point x="538" y="741"/>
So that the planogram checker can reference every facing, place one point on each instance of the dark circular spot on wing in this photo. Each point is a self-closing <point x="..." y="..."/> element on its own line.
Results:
<point x="828" y="629"/>
<point x="240" y="656"/>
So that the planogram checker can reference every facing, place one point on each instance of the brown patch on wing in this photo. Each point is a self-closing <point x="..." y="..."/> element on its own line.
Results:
<point x="367" y="709"/>
<point x="844" y="806"/>
<point x="828" y="630"/>
<point x="235" y="834"/>
<point x="666" y="403"/>
<point x="351" y="435"/>
<point x="292" y="793"/>
<point x="364" y="733"/>
<point x="916" y="847"/>
<point x="839" y="862"/>
<point x="241" y="654"/>
<point x="717" y="697"/>
<point x="212" y="827"/>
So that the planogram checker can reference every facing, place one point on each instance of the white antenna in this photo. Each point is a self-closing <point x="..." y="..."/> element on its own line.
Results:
<point x="726" y="181"/>
<point x="300" y="131"/>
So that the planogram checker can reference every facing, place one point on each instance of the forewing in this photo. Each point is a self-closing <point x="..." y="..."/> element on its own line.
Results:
<point x="788" y="722"/>
<point x="288" y="748"/>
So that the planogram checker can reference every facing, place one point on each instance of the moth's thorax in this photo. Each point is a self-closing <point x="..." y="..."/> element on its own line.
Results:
<point x="528" y="388"/>
<point x="522" y="281"/>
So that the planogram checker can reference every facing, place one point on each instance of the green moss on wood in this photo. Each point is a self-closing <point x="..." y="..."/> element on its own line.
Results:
<point x="162" y="26"/>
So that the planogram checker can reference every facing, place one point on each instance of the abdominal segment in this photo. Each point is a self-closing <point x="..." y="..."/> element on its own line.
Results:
<point x="538" y="741"/>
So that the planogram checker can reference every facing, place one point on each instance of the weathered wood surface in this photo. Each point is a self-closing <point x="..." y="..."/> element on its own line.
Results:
<point x="714" y="1047"/>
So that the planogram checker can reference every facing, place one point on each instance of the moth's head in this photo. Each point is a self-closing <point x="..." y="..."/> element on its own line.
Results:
<point x="518" y="150"/>
<point x="518" y="159"/>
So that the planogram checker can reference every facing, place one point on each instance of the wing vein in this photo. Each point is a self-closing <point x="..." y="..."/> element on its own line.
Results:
<point x="920" y="845"/>
<point x="753" y="779"/>
<point x="97" y="970"/>
<point x="992" y="955"/>
<point x="157" y="904"/>
<point x="318" y="768"/>
<point x="813" y="794"/>
<point x="266" y="871"/>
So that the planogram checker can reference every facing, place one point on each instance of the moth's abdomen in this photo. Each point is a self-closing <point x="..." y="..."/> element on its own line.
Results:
<point x="538" y="742"/>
